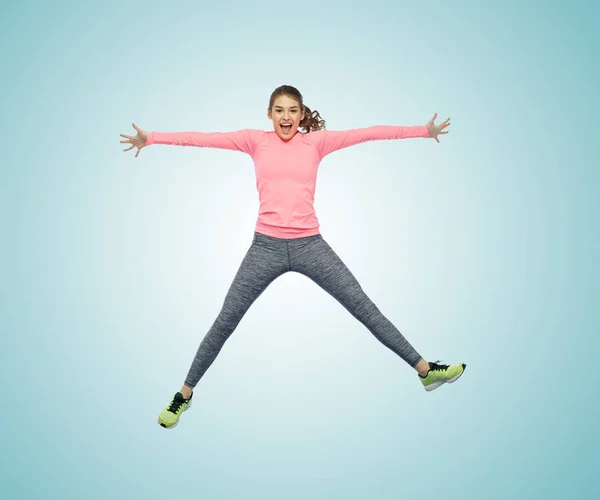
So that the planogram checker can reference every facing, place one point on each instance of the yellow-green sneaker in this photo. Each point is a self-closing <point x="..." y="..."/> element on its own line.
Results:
<point x="440" y="374"/>
<point x="169" y="417"/>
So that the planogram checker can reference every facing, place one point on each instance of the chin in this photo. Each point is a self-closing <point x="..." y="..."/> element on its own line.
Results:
<point x="288" y="136"/>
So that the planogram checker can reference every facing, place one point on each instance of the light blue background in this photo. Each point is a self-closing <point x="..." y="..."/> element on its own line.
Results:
<point x="482" y="249"/>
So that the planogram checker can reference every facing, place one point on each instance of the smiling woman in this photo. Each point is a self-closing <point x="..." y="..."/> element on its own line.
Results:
<point x="286" y="116"/>
<point x="288" y="113"/>
<point x="287" y="237"/>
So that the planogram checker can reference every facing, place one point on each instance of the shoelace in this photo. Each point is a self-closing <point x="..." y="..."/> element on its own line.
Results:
<point x="436" y="366"/>
<point x="176" y="405"/>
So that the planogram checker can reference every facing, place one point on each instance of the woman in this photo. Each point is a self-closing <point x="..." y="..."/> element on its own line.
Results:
<point x="287" y="236"/>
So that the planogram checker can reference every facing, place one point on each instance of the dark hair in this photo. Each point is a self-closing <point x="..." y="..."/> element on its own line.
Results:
<point x="312" y="119"/>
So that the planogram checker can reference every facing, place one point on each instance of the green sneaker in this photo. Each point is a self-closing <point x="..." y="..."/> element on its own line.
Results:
<point x="440" y="374"/>
<point x="169" y="417"/>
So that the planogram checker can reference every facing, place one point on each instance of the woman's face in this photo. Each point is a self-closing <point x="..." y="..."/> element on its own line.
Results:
<point x="286" y="115"/>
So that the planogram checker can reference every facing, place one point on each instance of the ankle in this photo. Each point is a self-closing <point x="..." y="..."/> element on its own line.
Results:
<point x="186" y="392"/>
<point x="422" y="368"/>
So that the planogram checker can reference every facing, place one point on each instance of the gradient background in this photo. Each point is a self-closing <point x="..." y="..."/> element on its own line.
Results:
<point x="482" y="249"/>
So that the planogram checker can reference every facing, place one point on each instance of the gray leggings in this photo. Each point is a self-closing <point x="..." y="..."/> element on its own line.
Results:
<point x="268" y="258"/>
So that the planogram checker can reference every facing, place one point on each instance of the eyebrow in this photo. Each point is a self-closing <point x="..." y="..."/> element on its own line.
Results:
<point x="291" y="107"/>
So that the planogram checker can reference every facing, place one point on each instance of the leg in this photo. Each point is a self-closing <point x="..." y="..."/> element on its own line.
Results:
<point x="263" y="263"/>
<point x="317" y="260"/>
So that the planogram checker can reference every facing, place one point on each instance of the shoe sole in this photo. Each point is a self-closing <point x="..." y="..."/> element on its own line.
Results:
<point x="175" y="424"/>
<point x="435" y="385"/>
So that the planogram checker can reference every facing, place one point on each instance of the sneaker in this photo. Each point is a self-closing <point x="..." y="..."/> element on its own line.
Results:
<point x="440" y="374"/>
<point x="169" y="417"/>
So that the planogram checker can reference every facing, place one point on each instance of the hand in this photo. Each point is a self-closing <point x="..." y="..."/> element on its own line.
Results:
<point x="434" y="130"/>
<point x="139" y="141"/>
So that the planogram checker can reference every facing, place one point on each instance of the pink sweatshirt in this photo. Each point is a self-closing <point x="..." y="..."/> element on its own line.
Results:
<point x="286" y="171"/>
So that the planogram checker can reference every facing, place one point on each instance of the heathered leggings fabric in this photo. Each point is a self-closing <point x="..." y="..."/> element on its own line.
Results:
<point x="268" y="258"/>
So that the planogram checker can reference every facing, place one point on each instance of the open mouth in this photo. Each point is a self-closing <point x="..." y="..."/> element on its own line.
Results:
<point x="286" y="128"/>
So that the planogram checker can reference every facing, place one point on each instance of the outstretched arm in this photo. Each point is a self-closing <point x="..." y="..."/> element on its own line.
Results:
<point x="241" y="140"/>
<point x="329" y="141"/>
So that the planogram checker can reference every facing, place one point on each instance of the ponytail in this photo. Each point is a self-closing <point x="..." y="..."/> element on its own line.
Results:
<point x="312" y="121"/>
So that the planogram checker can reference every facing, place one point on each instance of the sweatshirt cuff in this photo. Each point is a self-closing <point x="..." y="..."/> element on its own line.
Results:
<point x="149" y="138"/>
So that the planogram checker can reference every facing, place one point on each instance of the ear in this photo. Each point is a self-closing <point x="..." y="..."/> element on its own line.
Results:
<point x="269" y="113"/>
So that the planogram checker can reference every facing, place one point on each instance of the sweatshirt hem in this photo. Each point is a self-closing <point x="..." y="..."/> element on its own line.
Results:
<point x="285" y="232"/>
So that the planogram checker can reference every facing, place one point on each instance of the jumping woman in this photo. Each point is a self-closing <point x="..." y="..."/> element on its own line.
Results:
<point x="287" y="236"/>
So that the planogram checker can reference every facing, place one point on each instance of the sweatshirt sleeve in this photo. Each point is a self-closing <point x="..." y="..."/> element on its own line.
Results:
<point x="328" y="141"/>
<point x="242" y="140"/>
